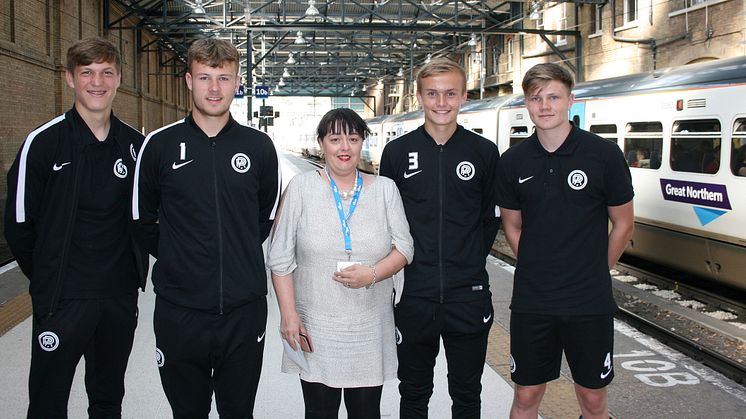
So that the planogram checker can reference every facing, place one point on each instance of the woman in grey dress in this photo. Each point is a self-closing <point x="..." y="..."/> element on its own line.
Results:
<point x="339" y="238"/>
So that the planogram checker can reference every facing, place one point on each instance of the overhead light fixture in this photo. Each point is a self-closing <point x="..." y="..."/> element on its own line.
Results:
<point x="400" y="73"/>
<point x="198" y="8"/>
<point x="429" y="57"/>
<point x="535" y="10"/>
<point x="281" y="82"/>
<point x="247" y="15"/>
<point x="285" y="72"/>
<point x="299" y="39"/>
<point x="312" y="10"/>
<point x="290" y="60"/>
<point x="473" y="40"/>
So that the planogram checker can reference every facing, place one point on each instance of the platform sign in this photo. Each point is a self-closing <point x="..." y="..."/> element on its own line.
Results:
<point x="240" y="92"/>
<point x="261" y="92"/>
<point x="265" y="111"/>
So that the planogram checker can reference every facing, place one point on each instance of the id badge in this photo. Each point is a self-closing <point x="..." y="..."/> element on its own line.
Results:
<point x="341" y="265"/>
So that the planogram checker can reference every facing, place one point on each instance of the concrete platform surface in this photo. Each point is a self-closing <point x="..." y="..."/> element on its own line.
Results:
<point x="279" y="395"/>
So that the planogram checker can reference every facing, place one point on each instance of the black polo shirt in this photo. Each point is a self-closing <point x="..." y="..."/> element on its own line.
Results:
<point x="101" y="261"/>
<point x="563" y="198"/>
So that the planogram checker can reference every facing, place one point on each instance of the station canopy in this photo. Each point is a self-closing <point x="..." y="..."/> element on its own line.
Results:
<point x="322" y="47"/>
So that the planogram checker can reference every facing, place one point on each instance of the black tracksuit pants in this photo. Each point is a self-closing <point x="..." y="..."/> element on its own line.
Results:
<point x="199" y="352"/>
<point x="101" y="330"/>
<point x="464" y="328"/>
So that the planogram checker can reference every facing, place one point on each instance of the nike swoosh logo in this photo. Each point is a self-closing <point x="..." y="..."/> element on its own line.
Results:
<point x="57" y="167"/>
<point x="486" y="319"/>
<point x="180" y="165"/>
<point x="521" y="180"/>
<point x="606" y="374"/>
<point x="261" y="338"/>
<point x="409" y="175"/>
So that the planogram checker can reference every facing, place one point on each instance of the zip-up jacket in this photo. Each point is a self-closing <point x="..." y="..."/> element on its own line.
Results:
<point x="449" y="197"/>
<point x="203" y="207"/>
<point x="43" y="196"/>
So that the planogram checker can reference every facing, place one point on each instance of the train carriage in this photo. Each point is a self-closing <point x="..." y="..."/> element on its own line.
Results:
<point x="480" y="116"/>
<point x="683" y="133"/>
<point x="372" y="147"/>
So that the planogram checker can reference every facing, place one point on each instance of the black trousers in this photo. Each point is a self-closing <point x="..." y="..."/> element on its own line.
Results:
<point x="464" y="328"/>
<point x="102" y="331"/>
<point x="322" y="401"/>
<point x="198" y="353"/>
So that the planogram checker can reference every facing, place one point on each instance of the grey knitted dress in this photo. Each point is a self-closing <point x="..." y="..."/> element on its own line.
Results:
<point x="352" y="330"/>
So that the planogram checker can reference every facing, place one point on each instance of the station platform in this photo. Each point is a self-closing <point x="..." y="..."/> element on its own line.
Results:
<point x="651" y="379"/>
<point x="279" y="395"/>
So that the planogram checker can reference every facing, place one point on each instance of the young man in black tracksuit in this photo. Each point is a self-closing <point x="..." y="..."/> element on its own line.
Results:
<point x="206" y="191"/>
<point x="446" y="176"/>
<point x="66" y="222"/>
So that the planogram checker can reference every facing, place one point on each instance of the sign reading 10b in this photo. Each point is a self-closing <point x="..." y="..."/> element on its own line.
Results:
<point x="261" y="92"/>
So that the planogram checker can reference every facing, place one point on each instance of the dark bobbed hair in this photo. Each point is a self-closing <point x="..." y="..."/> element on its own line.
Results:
<point x="341" y="121"/>
<point x="93" y="50"/>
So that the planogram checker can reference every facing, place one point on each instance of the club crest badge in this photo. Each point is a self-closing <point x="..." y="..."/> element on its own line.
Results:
<point x="465" y="170"/>
<point x="159" y="358"/>
<point x="120" y="169"/>
<point x="49" y="341"/>
<point x="577" y="179"/>
<point x="240" y="163"/>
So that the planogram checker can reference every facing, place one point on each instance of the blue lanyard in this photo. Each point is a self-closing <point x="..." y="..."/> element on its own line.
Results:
<point x="340" y="210"/>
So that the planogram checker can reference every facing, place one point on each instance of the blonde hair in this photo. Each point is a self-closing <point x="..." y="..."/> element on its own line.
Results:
<point x="439" y="66"/>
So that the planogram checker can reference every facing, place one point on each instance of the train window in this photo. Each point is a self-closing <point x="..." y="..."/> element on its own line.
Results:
<point x="695" y="146"/>
<point x="738" y="148"/>
<point x="373" y="140"/>
<point x="518" y="134"/>
<point x="604" y="129"/>
<point x="643" y="144"/>
<point x="607" y="131"/>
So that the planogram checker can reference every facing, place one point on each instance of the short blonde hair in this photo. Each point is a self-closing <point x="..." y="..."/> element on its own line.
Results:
<point x="439" y="66"/>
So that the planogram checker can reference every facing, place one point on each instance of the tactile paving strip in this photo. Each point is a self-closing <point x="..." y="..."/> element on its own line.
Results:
<point x="14" y="311"/>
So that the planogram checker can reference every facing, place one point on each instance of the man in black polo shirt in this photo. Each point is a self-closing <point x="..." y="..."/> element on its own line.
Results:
<point x="66" y="223"/>
<point x="557" y="192"/>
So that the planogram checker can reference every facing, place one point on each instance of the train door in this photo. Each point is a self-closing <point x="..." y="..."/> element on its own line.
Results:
<point x="727" y="262"/>
<point x="577" y="114"/>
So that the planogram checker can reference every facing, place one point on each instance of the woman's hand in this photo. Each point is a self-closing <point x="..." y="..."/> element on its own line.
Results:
<point x="355" y="276"/>
<point x="291" y="328"/>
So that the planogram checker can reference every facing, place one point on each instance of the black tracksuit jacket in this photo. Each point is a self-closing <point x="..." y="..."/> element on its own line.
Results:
<point x="449" y="198"/>
<point x="43" y="196"/>
<point x="203" y="207"/>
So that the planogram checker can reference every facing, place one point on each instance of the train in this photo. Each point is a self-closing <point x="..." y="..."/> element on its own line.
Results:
<point x="683" y="133"/>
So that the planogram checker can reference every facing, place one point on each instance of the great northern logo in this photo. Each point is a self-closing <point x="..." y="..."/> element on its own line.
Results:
<point x="701" y="195"/>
